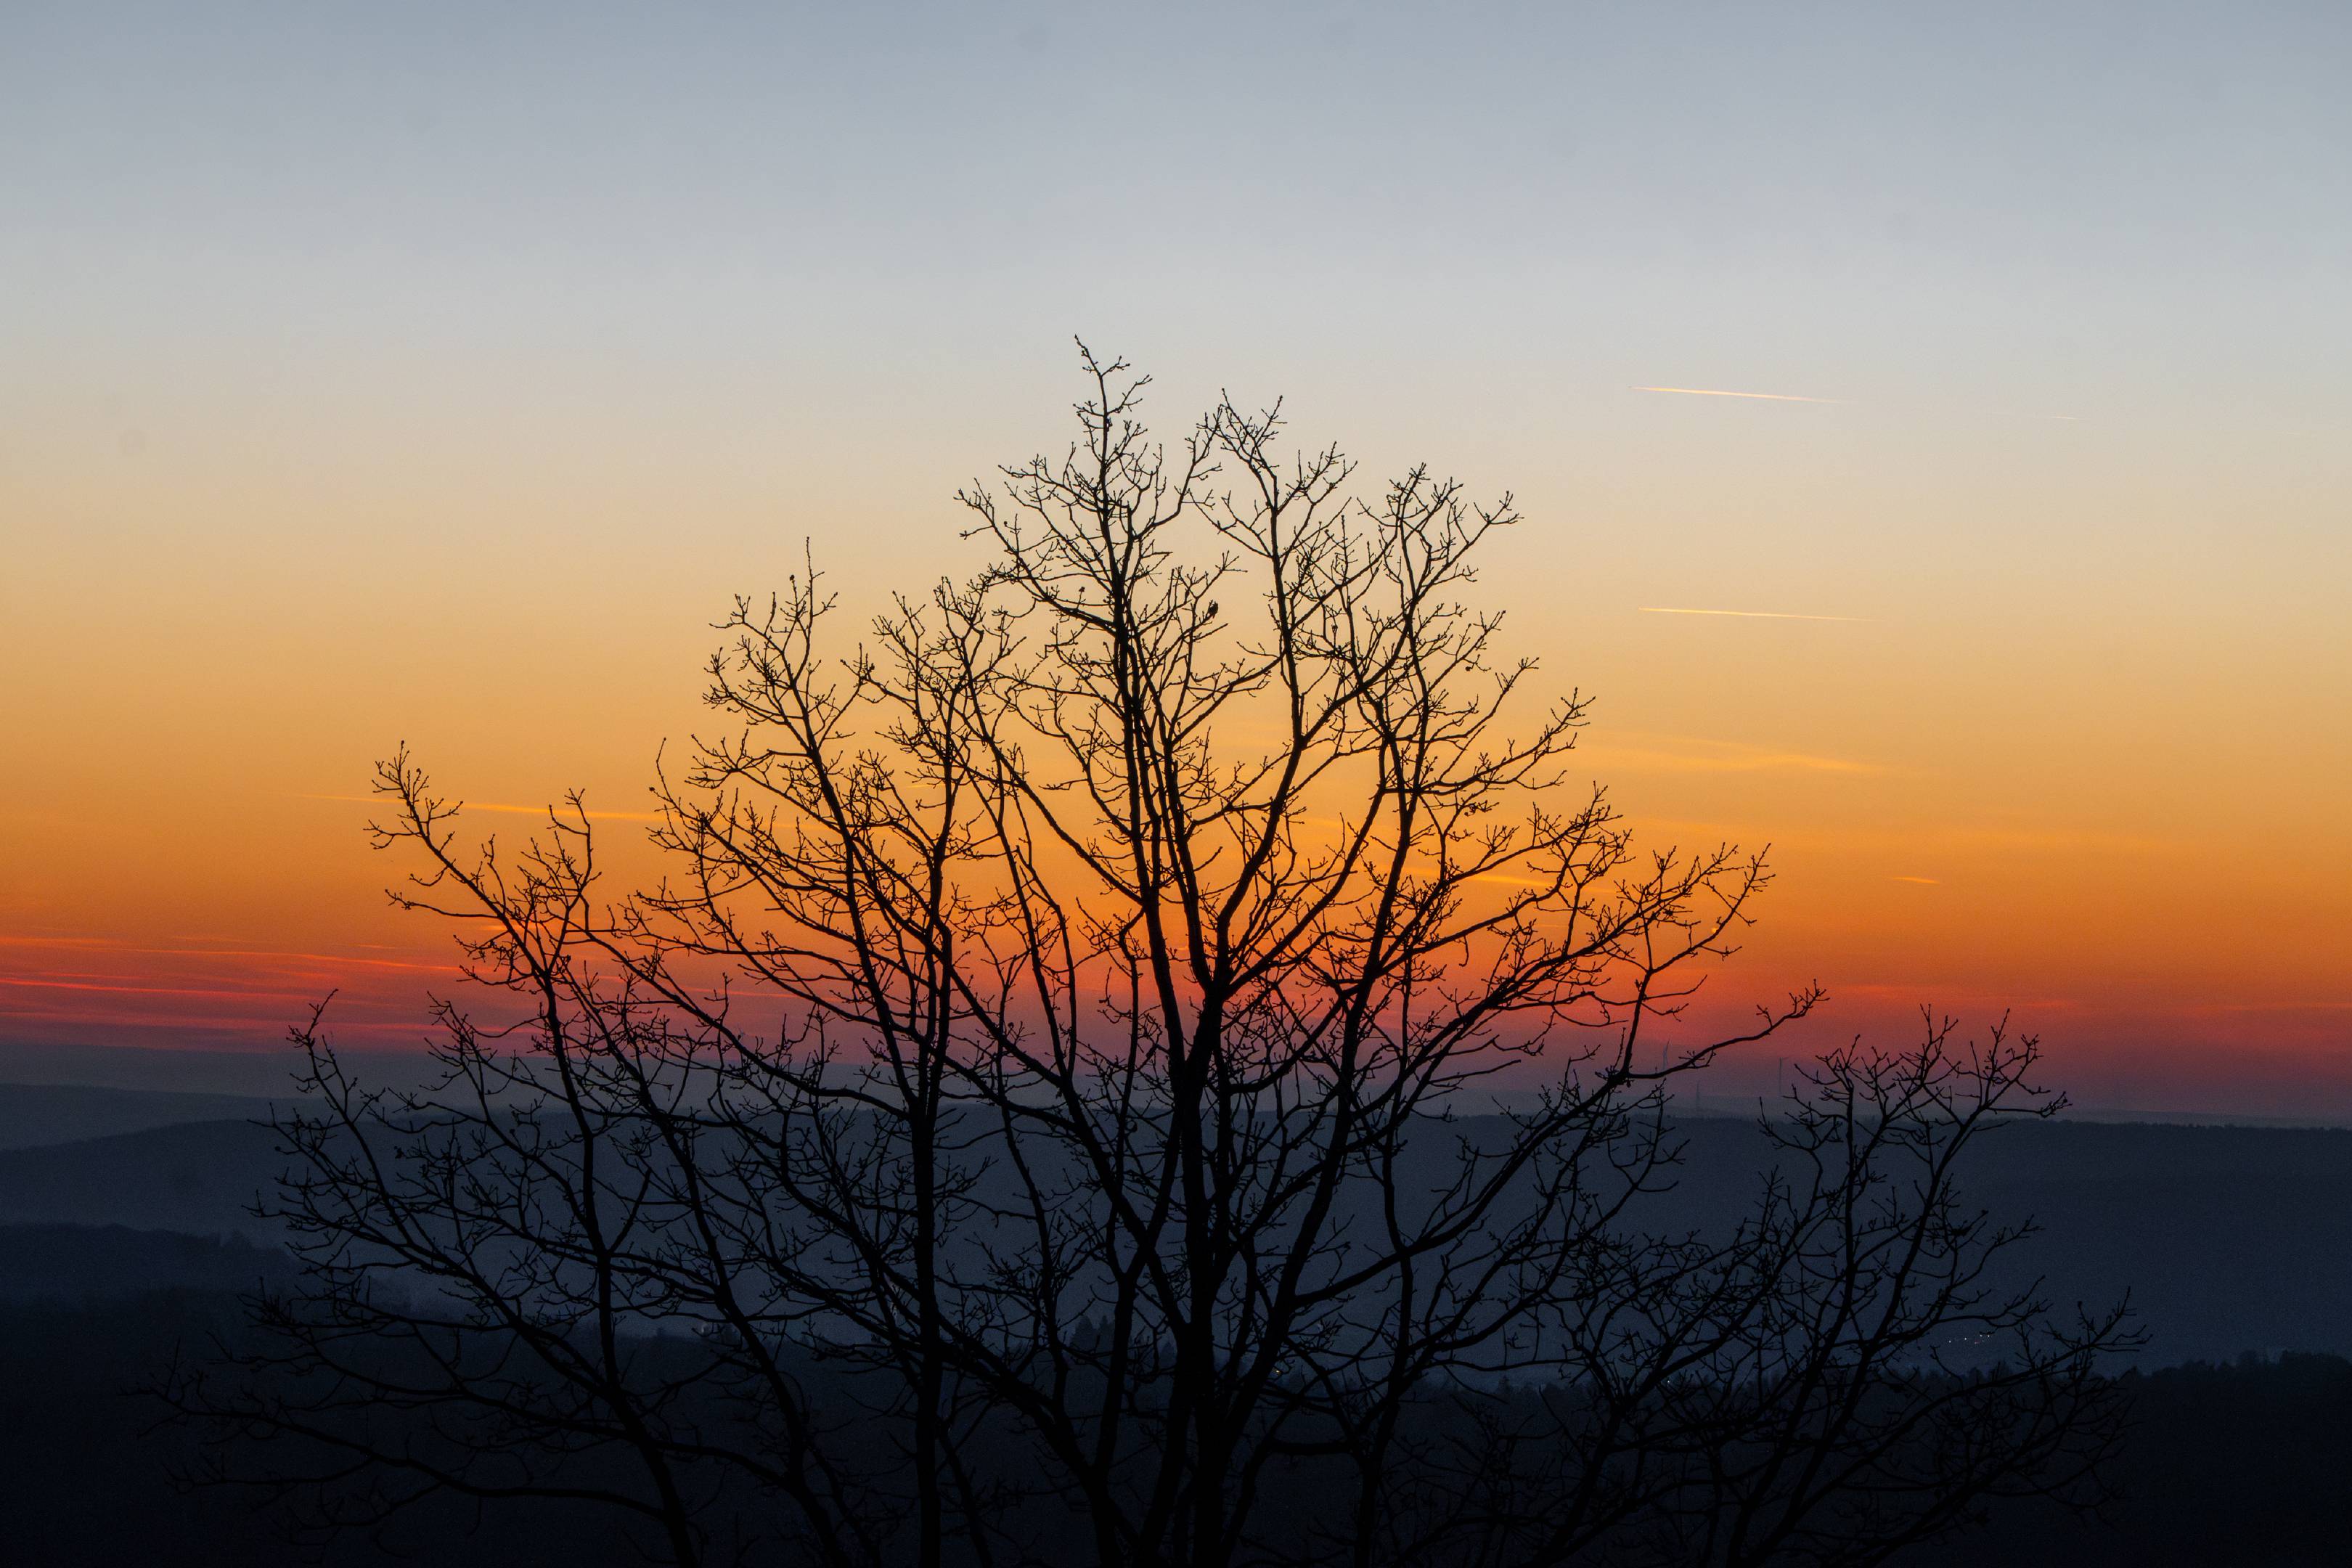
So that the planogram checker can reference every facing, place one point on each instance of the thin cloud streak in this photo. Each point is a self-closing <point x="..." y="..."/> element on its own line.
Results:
<point x="108" y="944"/>
<point x="148" y="990"/>
<point x="1759" y="396"/>
<point x="1745" y="614"/>
<point x="497" y="807"/>
<point x="2271" y="1007"/>
<point x="1908" y="842"/>
<point x="1638" y="753"/>
<point x="1800" y="397"/>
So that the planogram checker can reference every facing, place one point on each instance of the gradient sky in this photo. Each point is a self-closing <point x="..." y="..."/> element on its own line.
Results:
<point x="371" y="373"/>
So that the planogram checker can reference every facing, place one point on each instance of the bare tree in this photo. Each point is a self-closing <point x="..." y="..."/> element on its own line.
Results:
<point x="1146" y="1060"/>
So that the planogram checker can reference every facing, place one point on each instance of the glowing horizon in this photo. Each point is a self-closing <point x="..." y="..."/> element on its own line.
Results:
<point x="447" y="390"/>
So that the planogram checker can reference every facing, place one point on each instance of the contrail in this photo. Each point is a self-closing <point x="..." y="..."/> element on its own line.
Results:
<point x="1712" y="392"/>
<point x="1744" y="614"/>
<point x="1796" y="397"/>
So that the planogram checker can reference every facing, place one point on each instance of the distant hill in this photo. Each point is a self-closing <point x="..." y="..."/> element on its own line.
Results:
<point x="32" y="1115"/>
<point x="199" y="1178"/>
<point x="75" y="1262"/>
<point x="2228" y="1239"/>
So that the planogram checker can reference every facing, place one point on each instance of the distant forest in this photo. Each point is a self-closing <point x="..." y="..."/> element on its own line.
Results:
<point x="2238" y="1446"/>
<point x="2249" y="1461"/>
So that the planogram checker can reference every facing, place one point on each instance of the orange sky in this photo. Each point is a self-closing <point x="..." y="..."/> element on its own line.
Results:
<point x="362" y="395"/>
<point x="2123" y="820"/>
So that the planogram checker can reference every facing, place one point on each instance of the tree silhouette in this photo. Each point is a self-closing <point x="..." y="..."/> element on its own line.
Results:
<point x="1143" y="1059"/>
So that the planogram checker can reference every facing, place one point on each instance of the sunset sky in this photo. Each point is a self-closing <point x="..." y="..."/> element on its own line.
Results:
<point x="371" y="375"/>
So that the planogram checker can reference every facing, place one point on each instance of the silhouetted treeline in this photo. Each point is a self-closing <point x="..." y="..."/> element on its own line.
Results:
<point x="2243" y="1462"/>
<point x="90" y="1475"/>
<point x="67" y="1263"/>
